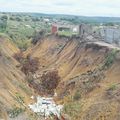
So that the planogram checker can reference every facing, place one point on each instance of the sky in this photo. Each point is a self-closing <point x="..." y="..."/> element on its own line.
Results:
<point x="109" y="8"/>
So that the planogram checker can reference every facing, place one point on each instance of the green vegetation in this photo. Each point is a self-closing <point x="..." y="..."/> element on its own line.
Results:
<point x="38" y="36"/>
<point x="77" y="95"/>
<point x="65" y="33"/>
<point x="21" y="27"/>
<point x="109" y="24"/>
<point x="73" y="110"/>
<point x="3" y="23"/>
<point x="3" y="35"/>
<point x="19" y="98"/>
<point x="15" y="111"/>
<point x="25" y="89"/>
<point x="23" y="44"/>
<point x="113" y="87"/>
<point x="110" y="59"/>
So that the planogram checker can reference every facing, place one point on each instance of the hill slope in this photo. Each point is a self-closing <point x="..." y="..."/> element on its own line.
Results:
<point x="90" y="74"/>
<point x="12" y="80"/>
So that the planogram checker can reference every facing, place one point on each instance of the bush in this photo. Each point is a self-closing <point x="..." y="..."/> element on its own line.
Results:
<point x="73" y="109"/>
<point x="19" y="56"/>
<point x="4" y="18"/>
<point x="113" y="87"/>
<point x="22" y="44"/>
<point x="19" y="98"/>
<point x="50" y="80"/>
<point x="3" y="23"/>
<point x="15" y="112"/>
<point x="30" y="65"/>
<point x="77" y="95"/>
<point x="38" y="36"/>
<point x="18" y="19"/>
<point x="110" y="59"/>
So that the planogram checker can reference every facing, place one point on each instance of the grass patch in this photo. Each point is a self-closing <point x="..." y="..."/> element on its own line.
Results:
<point x="19" y="99"/>
<point x="110" y="59"/>
<point x="73" y="110"/>
<point x="13" y="113"/>
<point x="65" y="33"/>
<point x="77" y="95"/>
<point x="3" y="35"/>
<point x="113" y="87"/>
<point x="25" y="89"/>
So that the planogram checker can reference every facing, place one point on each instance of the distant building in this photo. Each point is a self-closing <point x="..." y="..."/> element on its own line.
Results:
<point x="65" y="28"/>
<point x="110" y="34"/>
<point x="79" y="30"/>
<point x="54" y="29"/>
<point x="85" y="29"/>
<point x="46" y="20"/>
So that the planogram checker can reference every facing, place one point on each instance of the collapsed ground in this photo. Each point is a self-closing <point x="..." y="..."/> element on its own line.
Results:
<point x="87" y="75"/>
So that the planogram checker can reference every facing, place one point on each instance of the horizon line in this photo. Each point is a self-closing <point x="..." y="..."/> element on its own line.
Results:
<point x="30" y="12"/>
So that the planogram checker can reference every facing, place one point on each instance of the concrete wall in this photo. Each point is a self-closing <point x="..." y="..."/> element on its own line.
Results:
<point x="85" y="29"/>
<point x="110" y="35"/>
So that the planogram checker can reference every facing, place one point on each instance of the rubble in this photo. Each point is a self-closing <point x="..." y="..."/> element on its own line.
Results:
<point x="46" y="107"/>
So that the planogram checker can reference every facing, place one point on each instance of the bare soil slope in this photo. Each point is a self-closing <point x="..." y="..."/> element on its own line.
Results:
<point x="12" y="80"/>
<point x="88" y="69"/>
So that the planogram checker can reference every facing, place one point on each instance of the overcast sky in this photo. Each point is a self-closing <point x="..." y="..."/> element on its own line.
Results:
<point x="74" y="7"/>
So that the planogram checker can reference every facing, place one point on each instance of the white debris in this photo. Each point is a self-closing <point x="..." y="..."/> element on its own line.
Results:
<point x="55" y="94"/>
<point x="32" y="97"/>
<point x="46" y="107"/>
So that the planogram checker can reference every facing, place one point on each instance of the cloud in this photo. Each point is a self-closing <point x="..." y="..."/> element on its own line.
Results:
<point x="76" y="7"/>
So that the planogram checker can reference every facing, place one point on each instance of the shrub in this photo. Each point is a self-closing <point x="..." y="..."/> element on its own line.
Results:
<point x="113" y="87"/>
<point x="3" y="23"/>
<point x="18" y="19"/>
<point x="4" y="17"/>
<point x="73" y="109"/>
<point x="19" y="56"/>
<point x="19" y="98"/>
<point x="15" y="112"/>
<point x="110" y="59"/>
<point x="22" y="44"/>
<point x="30" y="65"/>
<point x="77" y="95"/>
<point x="38" y="36"/>
<point x="50" y="80"/>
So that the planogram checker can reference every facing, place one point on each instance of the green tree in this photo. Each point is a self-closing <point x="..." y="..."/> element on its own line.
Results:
<point x="3" y="23"/>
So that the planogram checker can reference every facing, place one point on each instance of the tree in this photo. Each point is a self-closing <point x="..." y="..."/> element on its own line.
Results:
<point x="4" y="17"/>
<point x="18" y="19"/>
<point x="38" y="36"/>
<point x="3" y="23"/>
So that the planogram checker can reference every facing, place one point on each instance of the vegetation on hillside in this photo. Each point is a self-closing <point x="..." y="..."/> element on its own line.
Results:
<point x="30" y="65"/>
<point x="50" y="80"/>
<point x="110" y="58"/>
<point x="21" y="27"/>
<point x="38" y="36"/>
